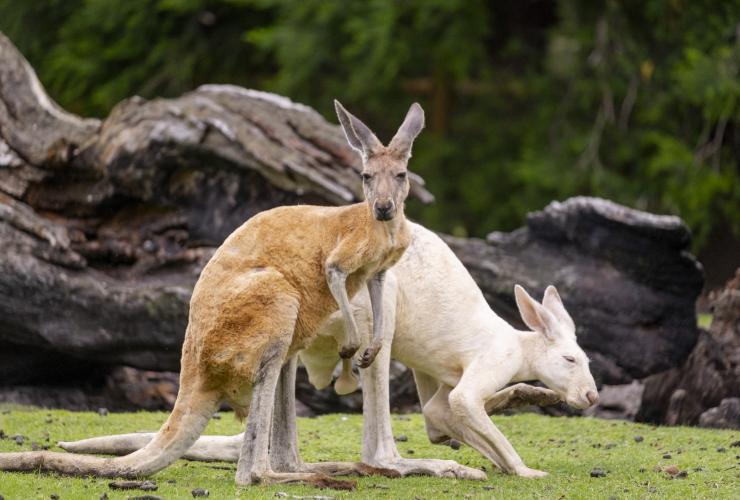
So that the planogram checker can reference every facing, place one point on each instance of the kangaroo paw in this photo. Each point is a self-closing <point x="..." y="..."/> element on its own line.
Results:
<point x="368" y="356"/>
<point x="348" y="351"/>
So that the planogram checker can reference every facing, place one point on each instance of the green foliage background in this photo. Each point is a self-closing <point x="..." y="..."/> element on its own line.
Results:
<point x="637" y="101"/>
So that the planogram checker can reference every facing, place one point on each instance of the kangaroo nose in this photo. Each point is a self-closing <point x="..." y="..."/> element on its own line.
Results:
<point x="593" y="397"/>
<point x="383" y="210"/>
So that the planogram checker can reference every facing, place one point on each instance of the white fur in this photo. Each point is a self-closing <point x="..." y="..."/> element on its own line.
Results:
<point x="462" y="352"/>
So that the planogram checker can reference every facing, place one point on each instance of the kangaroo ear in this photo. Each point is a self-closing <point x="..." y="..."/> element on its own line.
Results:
<point x="401" y="143"/>
<point x="534" y="315"/>
<point x="359" y="136"/>
<point x="554" y="304"/>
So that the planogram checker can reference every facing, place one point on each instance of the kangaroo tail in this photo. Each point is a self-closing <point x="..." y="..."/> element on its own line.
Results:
<point x="193" y="409"/>
<point x="205" y="449"/>
<point x="118" y="444"/>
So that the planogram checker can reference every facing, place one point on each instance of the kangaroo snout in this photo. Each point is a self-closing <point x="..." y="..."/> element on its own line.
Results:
<point x="593" y="397"/>
<point x="385" y="210"/>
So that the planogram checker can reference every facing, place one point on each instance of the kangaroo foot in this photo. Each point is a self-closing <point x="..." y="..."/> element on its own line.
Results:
<point x="349" y="469"/>
<point x="524" y="471"/>
<point x="346" y="383"/>
<point x="434" y="468"/>
<point x="318" y="480"/>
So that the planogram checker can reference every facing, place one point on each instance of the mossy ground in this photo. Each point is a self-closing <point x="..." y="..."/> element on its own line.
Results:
<point x="568" y="448"/>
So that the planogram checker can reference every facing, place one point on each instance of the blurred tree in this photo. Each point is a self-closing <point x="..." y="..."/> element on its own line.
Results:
<point x="637" y="101"/>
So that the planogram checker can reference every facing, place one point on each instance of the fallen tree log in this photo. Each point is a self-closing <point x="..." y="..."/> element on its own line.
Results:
<point x="105" y="226"/>
<point x="705" y="389"/>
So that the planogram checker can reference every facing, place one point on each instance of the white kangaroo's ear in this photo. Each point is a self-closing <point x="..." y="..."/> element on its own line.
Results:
<point x="535" y="316"/>
<point x="554" y="304"/>
<point x="359" y="135"/>
<point x="401" y="143"/>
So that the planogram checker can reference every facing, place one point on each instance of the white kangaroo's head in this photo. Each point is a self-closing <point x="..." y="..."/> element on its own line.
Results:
<point x="384" y="168"/>
<point x="558" y="362"/>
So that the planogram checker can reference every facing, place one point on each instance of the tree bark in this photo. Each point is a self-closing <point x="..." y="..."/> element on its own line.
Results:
<point x="705" y="389"/>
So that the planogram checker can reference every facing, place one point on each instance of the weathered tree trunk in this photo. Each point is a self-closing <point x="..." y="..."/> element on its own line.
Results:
<point x="105" y="226"/>
<point x="705" y="389"/>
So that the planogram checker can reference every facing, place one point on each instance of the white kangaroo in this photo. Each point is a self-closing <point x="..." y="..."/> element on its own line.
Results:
<point x="463" y="356"/>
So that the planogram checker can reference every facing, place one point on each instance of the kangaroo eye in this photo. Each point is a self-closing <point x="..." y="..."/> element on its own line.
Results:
<point x="365" y="176"/>
<point x="570" y="359"/>
<point x="401" y="176"/>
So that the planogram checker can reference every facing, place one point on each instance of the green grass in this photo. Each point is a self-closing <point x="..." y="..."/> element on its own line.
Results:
<point x="568" y="448"/>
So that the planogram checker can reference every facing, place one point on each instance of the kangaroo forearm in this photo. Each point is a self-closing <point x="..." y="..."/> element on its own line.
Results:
<point x="337" y="280"/>
<point x="520" y="395"/>
<point x="375" y="287"/>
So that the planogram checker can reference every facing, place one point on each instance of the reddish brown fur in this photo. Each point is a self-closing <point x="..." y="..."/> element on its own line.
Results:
<point x="258" y="285"/>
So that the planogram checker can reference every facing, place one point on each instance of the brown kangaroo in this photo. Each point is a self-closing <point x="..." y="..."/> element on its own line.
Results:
<point x="263" y="297"/>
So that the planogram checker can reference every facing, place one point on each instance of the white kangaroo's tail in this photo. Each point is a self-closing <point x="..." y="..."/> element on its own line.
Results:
<point x="205" y="449"/>
<point x="193" y="409"/>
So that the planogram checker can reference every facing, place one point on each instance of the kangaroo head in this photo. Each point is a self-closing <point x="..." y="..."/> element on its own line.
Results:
<point x="384" y="168"/>
<point x="558" y="361"/>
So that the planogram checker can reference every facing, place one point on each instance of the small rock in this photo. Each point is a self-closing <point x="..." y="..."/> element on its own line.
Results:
<point x="652" y="489"/>
<point x="19" y="439"/>
<point x="402" y="438"/>
<point x="682" y="474"/>
<point x="488" y="488"/>
<point x="217" y="416"/>
<point x="410" y="452"/>
<point x="455" y="444"/>
<point x="200" y="492"/>
<point x="54" y="496"/>
<point x="103" y="412"/>
<point x="667" y="456"/>
<point x="104" y="496"/>
<point x="642" y="469"/>
<point x="698" y="469"/>
<point x="171" y="481"/>
<point x="735" y="444"/>
<point x="597" y="472"/>
<point x="639" y="439"/>
<point x="721" y="449"/>
<point x="609" y="446"/>
<point x="35" y="446"/>
<point x="2" y="434"/>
